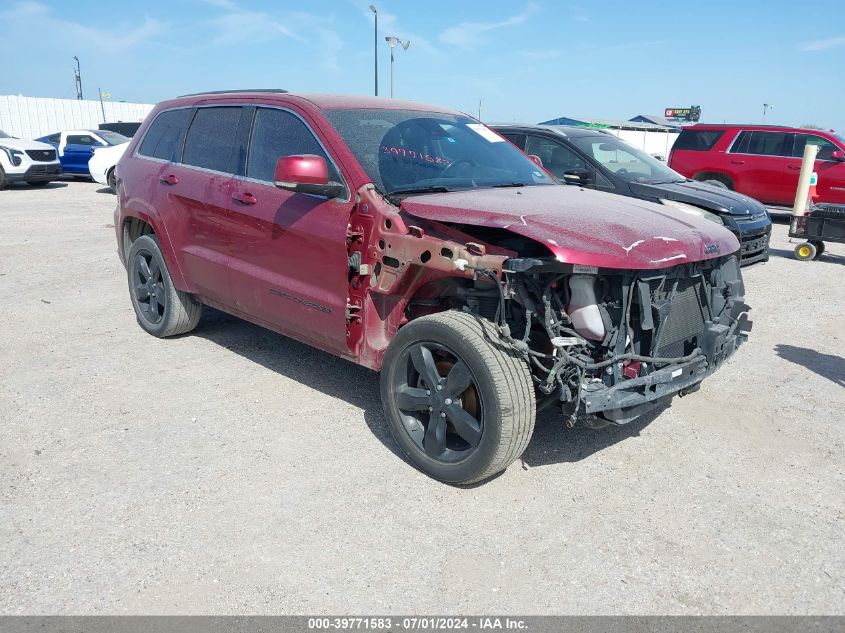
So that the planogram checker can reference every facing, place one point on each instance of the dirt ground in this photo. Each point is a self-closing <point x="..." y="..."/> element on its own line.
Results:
<point x="236" y="471"/>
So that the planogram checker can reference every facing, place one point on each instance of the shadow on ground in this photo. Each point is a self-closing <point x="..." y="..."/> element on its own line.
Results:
<point x="789" y="254"/>
<point x="24" y="185"/>
<point x="825" y="365"/>
<point x="552" y="442"/>
<point x="106" y="190"/>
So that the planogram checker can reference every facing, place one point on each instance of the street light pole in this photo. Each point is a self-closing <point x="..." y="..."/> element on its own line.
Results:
<point x="766" y="108"/>
<point x="78" y="76"/>
<point x="375" y="45"/>
<point x="392" y="43"/>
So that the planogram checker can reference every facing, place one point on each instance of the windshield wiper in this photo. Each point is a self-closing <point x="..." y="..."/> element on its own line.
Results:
<point x="509" y="184"/>
<point x="407" y="192"/>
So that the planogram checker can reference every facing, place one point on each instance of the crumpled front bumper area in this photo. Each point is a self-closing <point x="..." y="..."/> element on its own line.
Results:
<point x="631" y="398"/>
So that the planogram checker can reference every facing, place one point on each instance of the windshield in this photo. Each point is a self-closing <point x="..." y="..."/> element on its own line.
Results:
<point x="4" y="135"/>
<point x="112" y="138"/>
<point x="405" y="151"/>
<point x="625" y="161"/>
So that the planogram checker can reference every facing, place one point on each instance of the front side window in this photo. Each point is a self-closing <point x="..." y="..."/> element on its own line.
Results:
<point x="164" y="137"/>
<point x="826" y="148"/>
<point x="407" y="151"/>
<point x="625" y="161"/>
<point x="277" y="133"/>
<point x="211" y="139"/>
<point x="81" y="139"/>
<point x="556" y="157"/>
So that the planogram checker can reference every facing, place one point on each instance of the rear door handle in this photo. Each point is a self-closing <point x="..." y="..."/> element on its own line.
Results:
<point x="794" y="167"/>
<point x="737" y="162"/>
<point x="244" y="198"/>
<point x="170" y="179"/>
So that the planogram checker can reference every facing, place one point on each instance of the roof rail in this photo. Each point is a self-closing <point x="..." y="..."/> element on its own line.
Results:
<point x="225" y="92"/>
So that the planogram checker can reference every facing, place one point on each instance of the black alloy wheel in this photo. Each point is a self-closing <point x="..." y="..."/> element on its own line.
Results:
<point x="438" y="401"/>
<point x="148" y="286"/>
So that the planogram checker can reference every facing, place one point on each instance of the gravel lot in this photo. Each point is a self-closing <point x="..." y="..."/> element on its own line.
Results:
<point x="236" y="471"/>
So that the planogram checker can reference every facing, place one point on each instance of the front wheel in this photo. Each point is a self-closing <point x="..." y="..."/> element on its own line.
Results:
<point x="161" y="309"/>
<point x="458" y="401"/>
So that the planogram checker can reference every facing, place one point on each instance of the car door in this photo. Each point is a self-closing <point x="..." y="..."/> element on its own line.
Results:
<point x="830" y="172"/>
<point x="289" y="262"/>
<point x="194" y="195"/>
<point x="76" y="152"/>
<point x="758" y="162"/>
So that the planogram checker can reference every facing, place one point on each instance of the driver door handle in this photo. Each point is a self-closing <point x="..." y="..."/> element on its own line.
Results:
<point x="170" y="179"/>
<point x="244" y="198"/>
<point x="737" y="162"/>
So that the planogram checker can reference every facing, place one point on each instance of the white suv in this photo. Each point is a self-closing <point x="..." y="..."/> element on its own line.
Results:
<point x="31" y="162"/>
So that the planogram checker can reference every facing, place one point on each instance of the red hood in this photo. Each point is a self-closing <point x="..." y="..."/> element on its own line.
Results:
<point x="585" y="227"/>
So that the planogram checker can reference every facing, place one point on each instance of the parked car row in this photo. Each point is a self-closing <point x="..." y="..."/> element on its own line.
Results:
<point x="417" y="241"/>
<point x="84" y="153"/>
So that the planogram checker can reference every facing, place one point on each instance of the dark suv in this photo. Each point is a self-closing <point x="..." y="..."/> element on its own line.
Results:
<point x="598" y="160"/>
<point x="416" y="241"/>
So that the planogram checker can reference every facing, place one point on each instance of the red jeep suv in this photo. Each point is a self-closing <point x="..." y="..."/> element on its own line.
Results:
<point x="417" y="241"/>
<point x="760" y="161"/>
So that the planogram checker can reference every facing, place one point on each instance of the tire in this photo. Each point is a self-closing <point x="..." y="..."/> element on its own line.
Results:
<point x="37" y="183"/>
<point x="111" y="181"/>
<point x="819" y="248"/>
<point x="715" y="183"/>
<point x="712" y="178"/>
<point x="485" y="426"/>
<point x="149" y="284"/>
<point x="3" y="181"/>
<point x="805" y="252"/>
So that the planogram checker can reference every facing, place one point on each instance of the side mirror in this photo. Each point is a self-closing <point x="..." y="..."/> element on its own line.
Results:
<point x="838" y="155"/>
<point x="578" y="177"/>
<point x="536" y="160"/>
<point x="306" y="173"/>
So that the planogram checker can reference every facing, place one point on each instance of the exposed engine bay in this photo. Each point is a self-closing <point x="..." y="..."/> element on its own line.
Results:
<point x="608" y="345"/>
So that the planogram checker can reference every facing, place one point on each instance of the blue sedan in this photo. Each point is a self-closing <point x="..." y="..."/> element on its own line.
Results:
<point x="76" y="147"/>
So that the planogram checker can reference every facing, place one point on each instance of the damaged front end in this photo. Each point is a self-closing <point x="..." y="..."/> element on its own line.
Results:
<point x="608" y="345"/>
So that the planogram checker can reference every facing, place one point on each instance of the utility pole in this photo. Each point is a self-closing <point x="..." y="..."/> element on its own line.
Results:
<point x="479" y="109"/>
<point x="375" y="45"/>
<point x="392" y="43"/>
<point x="102" y="107"/>
<point x="78" y="76"/>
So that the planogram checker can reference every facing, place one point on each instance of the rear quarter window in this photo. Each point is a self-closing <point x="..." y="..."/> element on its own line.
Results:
<point x="164" y="137"/>
<point x="697" y="140"/>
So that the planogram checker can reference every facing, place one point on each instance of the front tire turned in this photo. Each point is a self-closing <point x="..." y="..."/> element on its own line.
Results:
<point x="160" y="308"/>
<point x="459" y="402"/>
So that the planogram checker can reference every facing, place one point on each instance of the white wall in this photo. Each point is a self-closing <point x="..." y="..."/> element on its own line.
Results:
<point x="650" y="142"/>
<point x="32" y="117"/>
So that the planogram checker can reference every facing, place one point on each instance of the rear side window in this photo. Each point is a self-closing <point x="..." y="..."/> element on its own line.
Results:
<point x="212" y="138"/>
<point x="762" y="143"/>
<point x="697" y="140"/>
<point x="278" y="133"/>
<point x="164" y="138"/>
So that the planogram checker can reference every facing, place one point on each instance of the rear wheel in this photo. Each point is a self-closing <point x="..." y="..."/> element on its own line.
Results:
<point x="819" y="248"/>
<point x="458" y="401"/>
<point x="715" y="183"/>
<point x="714" y="178"/>
<point x="3" y="180"/>
<point x="161" y="309"/>
<point x="110" y="179"/>
<point x="805" y="252"/>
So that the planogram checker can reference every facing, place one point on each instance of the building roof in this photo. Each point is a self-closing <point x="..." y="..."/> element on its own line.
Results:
<point x="615" y="124"/>
<point x="653" y="118"/>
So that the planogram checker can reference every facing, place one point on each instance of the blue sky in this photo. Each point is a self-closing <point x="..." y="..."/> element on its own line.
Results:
<point x="526" y="61"/>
